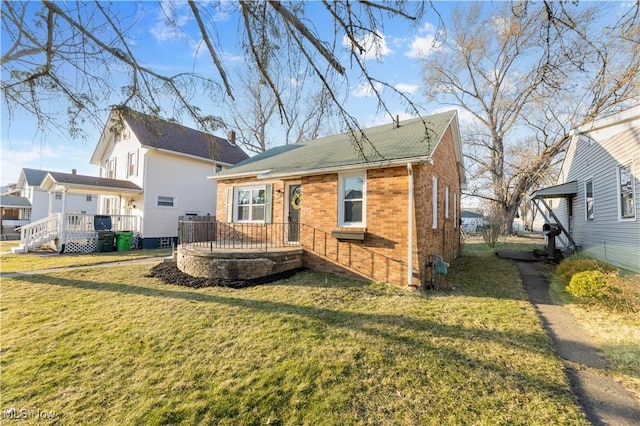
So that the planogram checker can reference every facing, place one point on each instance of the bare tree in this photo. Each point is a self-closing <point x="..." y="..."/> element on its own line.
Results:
<point x="528" y="75"/>
<point x="254" y="115"/>
<point x="70" y="53"/>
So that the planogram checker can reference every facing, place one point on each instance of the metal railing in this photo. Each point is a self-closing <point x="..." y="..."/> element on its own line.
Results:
<point x="320" y="245"/>
<point x="219" y="235"/>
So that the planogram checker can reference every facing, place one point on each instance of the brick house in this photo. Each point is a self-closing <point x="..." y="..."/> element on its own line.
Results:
<point x="378" y="213"/>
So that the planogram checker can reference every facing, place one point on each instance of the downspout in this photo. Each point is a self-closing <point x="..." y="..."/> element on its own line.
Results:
<point x="410" y="226"/>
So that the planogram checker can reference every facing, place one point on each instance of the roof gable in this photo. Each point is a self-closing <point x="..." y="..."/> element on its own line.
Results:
<point x="34" y="177"/>
<point x="412" y="139"/>
<point x="156" y="133"/>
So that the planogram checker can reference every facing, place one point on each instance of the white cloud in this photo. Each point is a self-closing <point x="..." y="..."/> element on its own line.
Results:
<point x="427" y="27"/>
<point x="421" y="47"/>
<point x="365" y="90"/>
<point x="13" y="161"/>
<point x="374" y="45"/>
<point x="464" y="116"/>
<point x="169" y="21"/>
<point x="407" y="88"/>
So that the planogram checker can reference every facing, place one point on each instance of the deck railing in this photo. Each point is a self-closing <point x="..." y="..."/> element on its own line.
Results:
<point x="84" y="222"/>
<point x="40" y="232"/>
<point x="219" y="235"/>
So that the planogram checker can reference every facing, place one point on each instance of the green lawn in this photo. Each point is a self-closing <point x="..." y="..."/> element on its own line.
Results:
<point x="115" y="346"/>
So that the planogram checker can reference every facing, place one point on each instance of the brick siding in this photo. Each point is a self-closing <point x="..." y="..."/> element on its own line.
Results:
<point x="382" y="256"/>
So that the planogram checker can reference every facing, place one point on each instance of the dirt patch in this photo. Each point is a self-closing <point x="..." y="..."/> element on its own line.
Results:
<point x="170" y="274"/>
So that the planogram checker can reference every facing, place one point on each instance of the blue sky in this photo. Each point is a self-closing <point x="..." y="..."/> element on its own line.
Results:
<point x="161" y="47"/>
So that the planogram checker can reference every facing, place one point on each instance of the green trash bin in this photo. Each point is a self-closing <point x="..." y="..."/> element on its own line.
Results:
<point x="123" y="240"/>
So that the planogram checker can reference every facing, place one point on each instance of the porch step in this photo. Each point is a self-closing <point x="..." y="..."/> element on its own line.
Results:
<point x="19" y="250"/>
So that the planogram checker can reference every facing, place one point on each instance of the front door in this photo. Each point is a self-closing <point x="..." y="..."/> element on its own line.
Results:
<point x="293" y="219"/>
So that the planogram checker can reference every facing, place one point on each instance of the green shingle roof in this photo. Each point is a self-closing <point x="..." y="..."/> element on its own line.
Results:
<point x="413" y="138"/>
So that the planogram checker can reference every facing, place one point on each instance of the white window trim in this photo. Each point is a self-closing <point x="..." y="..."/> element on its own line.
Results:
<point x="446" y="202"/>
<point x="135" y="163"/>
<point x="633" y="192"/>
<point x="175" y="201"/>
<point x="455" y="210"/>
<point x="434" y="202"/>
<point x="341" y="177"/>
<point x="593" y="200"/>
<point x="236" y="190"/>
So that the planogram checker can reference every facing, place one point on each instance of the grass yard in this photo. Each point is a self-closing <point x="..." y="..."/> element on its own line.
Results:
<point x="39" y="260"/>
<point x="617" y="334"/>
<point x="114" y="346"/>
<point x="7" y="245"/>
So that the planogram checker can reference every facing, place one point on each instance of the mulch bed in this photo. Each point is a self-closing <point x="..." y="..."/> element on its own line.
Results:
<point x="170" y="274"/>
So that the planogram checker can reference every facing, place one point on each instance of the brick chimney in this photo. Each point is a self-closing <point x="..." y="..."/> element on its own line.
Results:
<point x="74" y="171"/>
<point x="231" y="137"/>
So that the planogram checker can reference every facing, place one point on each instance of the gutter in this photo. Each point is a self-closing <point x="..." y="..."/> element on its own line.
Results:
<point x="410" y="226"/>
<point x="266" y="174"/>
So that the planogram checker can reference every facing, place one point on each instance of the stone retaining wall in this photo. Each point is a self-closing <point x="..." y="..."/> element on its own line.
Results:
<point x="237" y="265"/>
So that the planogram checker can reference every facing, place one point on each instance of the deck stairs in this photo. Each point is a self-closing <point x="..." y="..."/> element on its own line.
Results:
<point x="36" y="234"/>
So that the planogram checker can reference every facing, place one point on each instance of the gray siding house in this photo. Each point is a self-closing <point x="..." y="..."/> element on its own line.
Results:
<point x="597" y="192"/>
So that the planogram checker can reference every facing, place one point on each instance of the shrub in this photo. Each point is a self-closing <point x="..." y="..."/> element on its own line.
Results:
<point x="569" y="267"/>
<point x="492" y="229"/>
<point x="606" y="291"/>
<point x="588" y="284"/>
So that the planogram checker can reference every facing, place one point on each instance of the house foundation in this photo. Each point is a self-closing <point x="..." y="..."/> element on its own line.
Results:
<point x="237" y="264"/>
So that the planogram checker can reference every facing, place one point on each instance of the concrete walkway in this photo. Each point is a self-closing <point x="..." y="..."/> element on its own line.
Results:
<point x="604" y="401"/>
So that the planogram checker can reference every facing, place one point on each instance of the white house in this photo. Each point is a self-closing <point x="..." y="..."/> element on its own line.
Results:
<point x="43" y="203"/>
<point x="169" y="162"/>
<point x="595" y="201"/>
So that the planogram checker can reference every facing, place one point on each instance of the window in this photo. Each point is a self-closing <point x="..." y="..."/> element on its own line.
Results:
<point x="165" y="201"/>
<point x="89" y="197"/>
<point x="626" y="190"/>
<point x="111" y="205"/>
<point x="455" y="210"/>
<point x="217" y="168"/>
<point x="588" y="200"/>
<point x="250" y="204"/>
<point x="352" y="199"/>
<point x="132" y="164"/>
<point x="58" y="196"/>
<point x="111" y="168"/>
<point x="434" y="202"/>
<point x="446" y="202"/>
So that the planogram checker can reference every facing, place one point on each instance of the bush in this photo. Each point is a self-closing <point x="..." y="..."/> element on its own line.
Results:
<point x="492" y="229"/>
<point x="606" y="291"/>
<point x="589" y="284"/>
<point x="569" y="267"/>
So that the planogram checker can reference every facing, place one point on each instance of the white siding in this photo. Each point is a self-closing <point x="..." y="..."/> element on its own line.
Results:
<point x="184" y="179"/>
<point x="606" y="237"/>
<point x="76" y="203"/>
